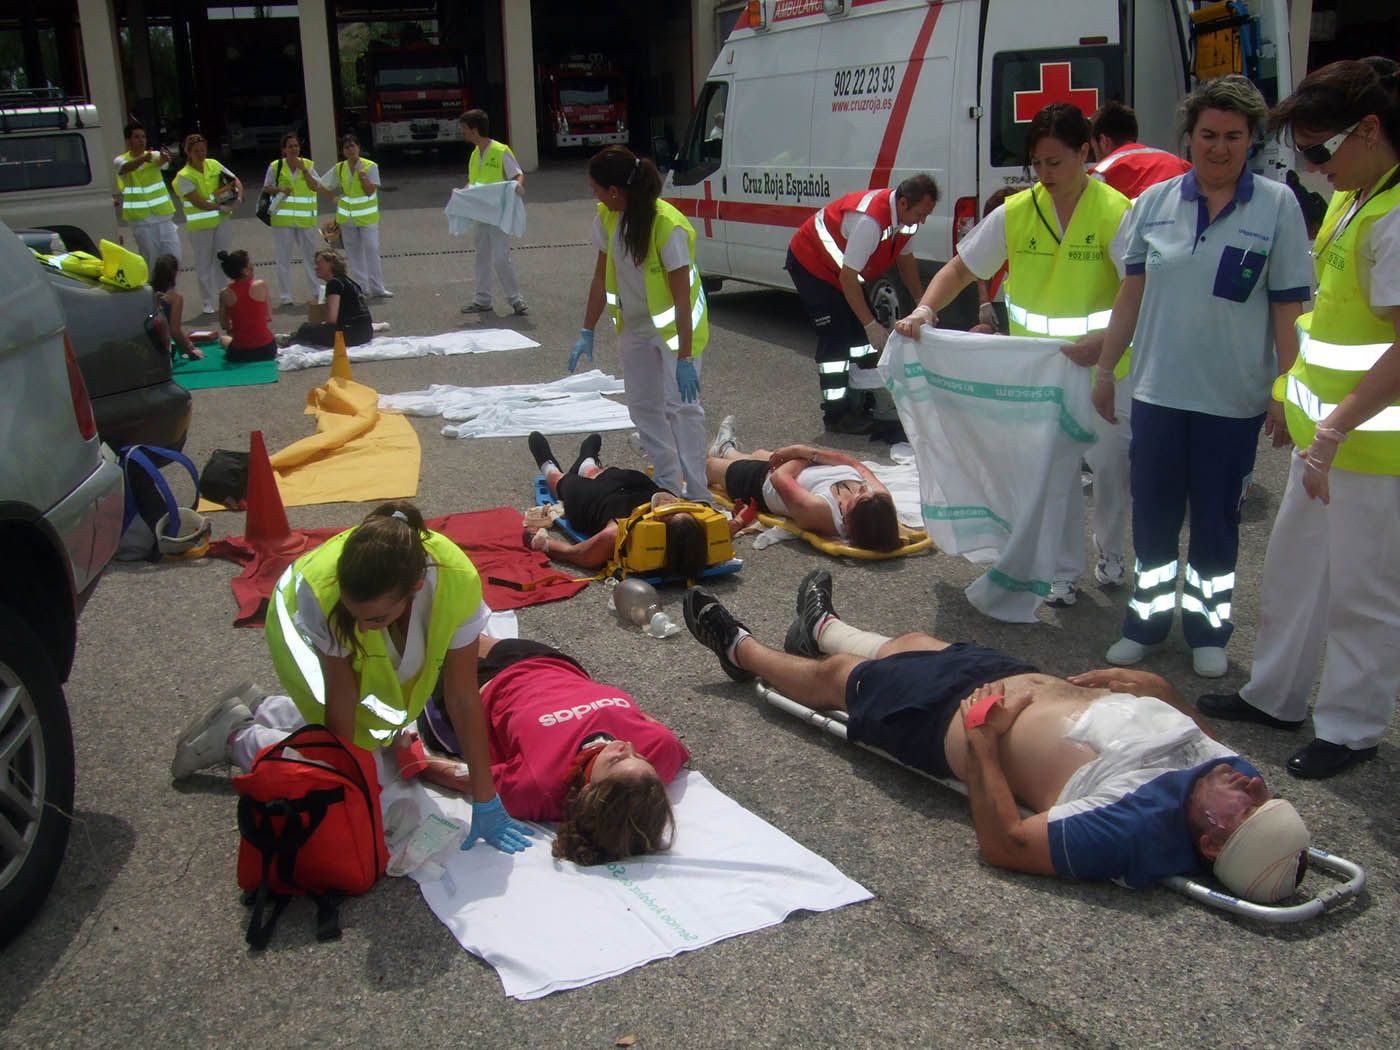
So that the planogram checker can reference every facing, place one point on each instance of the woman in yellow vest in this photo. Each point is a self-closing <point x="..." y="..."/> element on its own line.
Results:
<point x="355" y="184"/>
<point x="292" y="178"/>
<point x="364" y="631"/>
<point x="646" y="276"/>
<point x="1061" y="242"/>
<point x="1332" y="572"/>
<point x="200" y="187"/>
<point x="491" y="160"/>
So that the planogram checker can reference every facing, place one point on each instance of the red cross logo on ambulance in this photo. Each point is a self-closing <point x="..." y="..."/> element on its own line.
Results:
<point x="1055" y="86"/>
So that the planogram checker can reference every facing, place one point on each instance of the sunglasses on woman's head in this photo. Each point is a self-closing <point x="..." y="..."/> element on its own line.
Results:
<point x="1320" y="153"/>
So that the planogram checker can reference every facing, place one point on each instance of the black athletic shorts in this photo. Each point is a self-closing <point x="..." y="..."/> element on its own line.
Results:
<point x="591" y="503"/>
<point x="903" y="704"/>
<point x="743" y="479"/>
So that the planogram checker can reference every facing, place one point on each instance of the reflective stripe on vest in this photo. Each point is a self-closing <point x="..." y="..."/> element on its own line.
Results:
<point x="297" y="208"/>
<point x="820" y="246"/>
<point x="385" y="706"/>
<point x="144" y="193"/>
<point x="354" y="205"/>
<point x="1056" y="327"/>
<point x="1108" y="162"/>
<point x="1342" y="338"/>
<point x="206" y="184"/>
<point x="491" y="167"/>
<point x="660" y="302"/>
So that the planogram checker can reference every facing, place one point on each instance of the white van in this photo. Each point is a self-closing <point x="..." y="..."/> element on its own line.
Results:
<point x="812" y="99"/>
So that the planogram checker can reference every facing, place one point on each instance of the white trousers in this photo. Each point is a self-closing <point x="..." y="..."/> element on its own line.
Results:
<point x="1108" y="459"/>
<point x="296" y="238"/>
<point x="1332" y="574"/>
<point x="362" y="256"/>
<point x="275" y="717"/>
<point x="493" y="252"/>
<point x="207" y="244"/>
<point x="672" y="432"/>
<point x="154" y="239"/>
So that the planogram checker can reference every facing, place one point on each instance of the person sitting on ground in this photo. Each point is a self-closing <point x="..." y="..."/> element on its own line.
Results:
<point x="594" y="498"/>
<point x="568" y="748"/>
<point x="345" y="308"/>
<point x="245" y="312"/>
<point x="172" y="304"/>
<point x="1121" y="779"/>
<point x="824" y="491"/>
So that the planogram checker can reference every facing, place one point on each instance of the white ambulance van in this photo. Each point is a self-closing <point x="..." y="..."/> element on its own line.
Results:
<point x="812" y="99"/>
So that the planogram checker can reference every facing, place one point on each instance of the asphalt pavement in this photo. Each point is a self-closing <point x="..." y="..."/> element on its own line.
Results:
<point x="141" y="941"/>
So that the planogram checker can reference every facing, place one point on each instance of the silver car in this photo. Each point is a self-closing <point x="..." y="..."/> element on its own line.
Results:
<point x="60" y="520"/>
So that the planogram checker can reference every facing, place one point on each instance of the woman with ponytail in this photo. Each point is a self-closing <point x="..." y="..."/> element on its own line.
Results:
<point x="364" y="631"/>
<point x="1332" y="572"/>
<point x="647" y="278"/>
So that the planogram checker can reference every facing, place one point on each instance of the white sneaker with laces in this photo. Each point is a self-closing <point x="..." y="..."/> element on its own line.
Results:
<point x="1063" y="594"/>
<point x="204" y="742"/>
<point x="1110" y="570"/>
<point x="1125" y="652"/>
<point x="724" y="438"/>
<point x="1209" y="661"/>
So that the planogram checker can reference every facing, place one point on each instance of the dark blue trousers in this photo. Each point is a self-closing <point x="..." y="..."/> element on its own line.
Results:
<point x="1180" y="459"/>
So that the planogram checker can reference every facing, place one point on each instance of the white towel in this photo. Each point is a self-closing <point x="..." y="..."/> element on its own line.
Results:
<point x="572" y="405"/>
<point x="999" y="425"/>
<point x="547" y="925"/>
<point x="392" y="348"/>
<point x="493" y="203"/>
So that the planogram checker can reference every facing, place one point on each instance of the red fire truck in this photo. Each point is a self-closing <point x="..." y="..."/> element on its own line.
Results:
<point x="415" y="92"/>
<point x="585" y="103"/>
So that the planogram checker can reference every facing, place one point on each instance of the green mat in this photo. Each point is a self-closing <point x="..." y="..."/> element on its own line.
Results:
<point x="215" y="370"/>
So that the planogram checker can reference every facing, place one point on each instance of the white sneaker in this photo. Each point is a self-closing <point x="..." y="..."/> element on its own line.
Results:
<point x="204" y="742"/>
<point x="1125" y="652"/>
<point x="1063" y="593"/>
<point x="724" y="437"/>
<point x="383" y="293"/>
<point x="1110" y="570"/>
<point x="208" y="309"/>
<point x="1209" y="661"/>
<point x="286" y="300"/>
<point x="379" y="326"/>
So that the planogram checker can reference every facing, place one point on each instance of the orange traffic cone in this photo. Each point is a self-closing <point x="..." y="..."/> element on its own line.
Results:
<point x="340" y="359"/>
<point x="266" y="526"/>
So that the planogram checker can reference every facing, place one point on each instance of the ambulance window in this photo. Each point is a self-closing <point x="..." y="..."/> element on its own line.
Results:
<point x="43" y="162"/>
<point x="703" y="151"/>
<point x="1085" y="76"/>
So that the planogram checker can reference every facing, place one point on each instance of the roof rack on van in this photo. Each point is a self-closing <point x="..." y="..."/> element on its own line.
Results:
<point x="25" y="109"/>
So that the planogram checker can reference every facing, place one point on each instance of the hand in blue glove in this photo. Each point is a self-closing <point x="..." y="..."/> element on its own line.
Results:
<point x="491" y="822"/>
<point x="583" y="347"/>
<point x="687" y="380"/>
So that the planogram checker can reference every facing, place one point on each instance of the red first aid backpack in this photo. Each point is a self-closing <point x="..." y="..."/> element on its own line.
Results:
<point x="310" y="825"/>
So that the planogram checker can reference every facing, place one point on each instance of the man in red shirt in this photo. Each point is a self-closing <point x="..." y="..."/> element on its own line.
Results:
<point x="1123" y="162"/>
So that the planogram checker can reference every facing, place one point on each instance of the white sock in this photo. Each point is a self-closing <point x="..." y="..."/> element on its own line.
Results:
<point x="549" y="467"/>
<point x="837" y="636"/>
<point x="731" y="650"/>
<point x="588" y="464"/>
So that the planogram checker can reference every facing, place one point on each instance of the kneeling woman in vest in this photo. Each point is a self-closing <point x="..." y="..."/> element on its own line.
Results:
<point x="1062" y="243"/>
<point x="596" y="497"/>
<point x="567" y="748"/>
<point x="646" y="276"/>
<point x="363" y="630"/>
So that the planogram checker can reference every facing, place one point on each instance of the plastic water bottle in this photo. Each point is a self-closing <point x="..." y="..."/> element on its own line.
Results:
<point x="635" y="601"/>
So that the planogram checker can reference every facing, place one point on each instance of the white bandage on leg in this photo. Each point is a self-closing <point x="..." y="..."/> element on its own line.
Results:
<point x="837" y="636"/>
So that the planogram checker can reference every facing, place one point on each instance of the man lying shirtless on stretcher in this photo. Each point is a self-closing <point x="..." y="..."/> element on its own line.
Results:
<point x="1122" y="782"/>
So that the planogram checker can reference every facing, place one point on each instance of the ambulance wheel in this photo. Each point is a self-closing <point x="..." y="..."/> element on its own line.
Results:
<point x="888" y="299"/>
<point x="36" y="774"/>
<point x="711" y="284"/>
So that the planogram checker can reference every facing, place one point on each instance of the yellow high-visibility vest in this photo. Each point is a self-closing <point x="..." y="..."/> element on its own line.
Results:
<point x="143" y="192"/>
<point x="660" y="302"/>
<point x="355" y="205"/>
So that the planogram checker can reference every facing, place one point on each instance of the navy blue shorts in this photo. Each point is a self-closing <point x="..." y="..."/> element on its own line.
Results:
<point x="744" y="478"/>
<point x="903" y="704"/>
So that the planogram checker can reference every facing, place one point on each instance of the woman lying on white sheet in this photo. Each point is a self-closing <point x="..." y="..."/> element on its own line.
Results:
<point x="822" y="490"/>
<point x="569" y="749"/>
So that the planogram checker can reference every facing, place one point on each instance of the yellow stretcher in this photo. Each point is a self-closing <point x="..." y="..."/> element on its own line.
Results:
<point x="912" y="541"/>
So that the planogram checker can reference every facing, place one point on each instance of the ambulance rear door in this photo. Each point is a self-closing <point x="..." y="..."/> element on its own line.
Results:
<point x="699" y="177"/>
<point x="1033" y="55"/>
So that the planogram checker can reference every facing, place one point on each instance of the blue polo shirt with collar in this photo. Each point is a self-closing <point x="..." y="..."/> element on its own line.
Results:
<point x="1204" y="340"/>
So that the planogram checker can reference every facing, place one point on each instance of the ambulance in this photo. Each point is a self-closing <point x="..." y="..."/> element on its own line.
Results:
<point x="811" y="99"/>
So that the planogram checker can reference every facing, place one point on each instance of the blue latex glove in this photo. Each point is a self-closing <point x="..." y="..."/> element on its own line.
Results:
<point x="491" y="822"/>
<point x="687" y="380"/>
<point x="583" y="347"/>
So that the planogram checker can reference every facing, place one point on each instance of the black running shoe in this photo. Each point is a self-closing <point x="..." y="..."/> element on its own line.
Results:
<point x="539" y="448"/>
<point x="813" y="603"/>
<point x="715" y="628"/>
<point x="798" y="643"/>
<point x="590" y="447"/>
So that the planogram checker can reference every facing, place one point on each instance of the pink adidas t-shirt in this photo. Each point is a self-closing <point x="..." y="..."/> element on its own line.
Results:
<point x="540" y="710"/>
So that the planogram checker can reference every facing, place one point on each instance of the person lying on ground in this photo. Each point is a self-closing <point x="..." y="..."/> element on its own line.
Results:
<point x="1121" y="781"/>
<point x="568" y="748"/>
<point x="595" y="497"/>
<point x="824" y="491"/>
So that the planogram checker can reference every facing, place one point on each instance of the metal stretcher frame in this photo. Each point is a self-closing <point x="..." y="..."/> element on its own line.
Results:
<point x="1352" y="874"/>
<point x="544" y="498"/>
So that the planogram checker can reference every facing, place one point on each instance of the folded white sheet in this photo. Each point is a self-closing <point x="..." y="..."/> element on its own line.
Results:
<point x="547" y="925"/>
<point x="389" y="348"/>
<point x="497" y="204"/>
<point x="572" y="405"/>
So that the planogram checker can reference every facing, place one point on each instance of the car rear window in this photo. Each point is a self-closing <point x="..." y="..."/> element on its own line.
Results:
<point x="41" y="162"/>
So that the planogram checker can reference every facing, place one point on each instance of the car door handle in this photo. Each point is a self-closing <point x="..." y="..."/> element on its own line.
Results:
<point x="724" y="184"/>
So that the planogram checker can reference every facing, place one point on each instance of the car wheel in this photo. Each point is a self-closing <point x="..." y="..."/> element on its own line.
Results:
<point x="36" y="774"/>
<point x="888" y="298"/>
